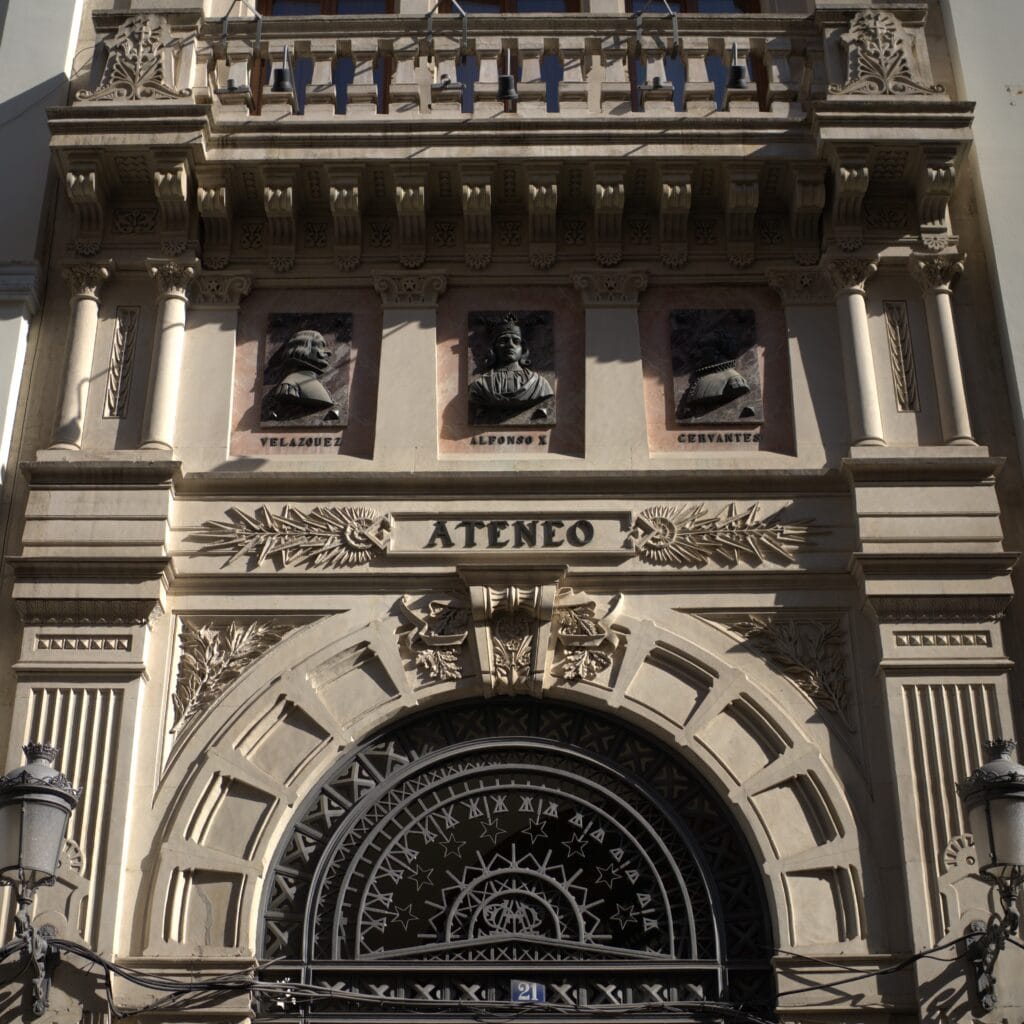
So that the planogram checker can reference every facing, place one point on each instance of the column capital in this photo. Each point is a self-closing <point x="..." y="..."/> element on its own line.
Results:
<point x="937" y="273"/>
<point x="609" y="288"/>
<point x="172" y="277"/>
<point x="85" y="279"/>
<point x="219" y="291"/>
<point x="850" y="275"/>
<point x="801" y="286"/>
<point x="409" y="289"/>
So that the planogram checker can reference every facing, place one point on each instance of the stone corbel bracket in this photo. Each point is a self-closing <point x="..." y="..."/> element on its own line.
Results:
<point x="279" y="188"/>
<point x="345" y="198"/>
<point x="936" y="180"/>
<point x="806" y="203"/>
<point x="741" y="198"/>
<point x="511" y="613"/>
<point x="476" y="216"/>
<point x="542" y="204"/>
<point x="86" y="191"/>
<point x="609" y="197"/>
<point x="851" y="175"/>
<point x="411" y="206"/>
<point x="171" y="190"/>
<point x="213" y="200"/>
<point x="674" y="213"/>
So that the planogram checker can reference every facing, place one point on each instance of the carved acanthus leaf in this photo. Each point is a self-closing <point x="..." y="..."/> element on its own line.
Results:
<point x="811" y="652"/>
<point x="138" y="64"/>
<point x="877" y="59"/>
<point x="435" y="636"/>
<point x="323" y="538"/>
<point x="688" y="536"/>
<point x="212" y="658"/>
<point x="584" y="641"/>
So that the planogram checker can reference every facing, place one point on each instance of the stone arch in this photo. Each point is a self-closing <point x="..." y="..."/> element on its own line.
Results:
<point x="228" y="795"/>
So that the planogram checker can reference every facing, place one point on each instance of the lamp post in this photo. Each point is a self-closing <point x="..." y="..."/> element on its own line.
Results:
<point x="993" y="797"/>
<point x="36" y="801"/>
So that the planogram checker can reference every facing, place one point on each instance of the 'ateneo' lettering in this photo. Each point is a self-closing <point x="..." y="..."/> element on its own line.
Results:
<point x="580" y="533"/>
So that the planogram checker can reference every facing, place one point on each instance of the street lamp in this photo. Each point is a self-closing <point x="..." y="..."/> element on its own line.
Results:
<point x="993" y="797"/>
<point x="36" y="801"/>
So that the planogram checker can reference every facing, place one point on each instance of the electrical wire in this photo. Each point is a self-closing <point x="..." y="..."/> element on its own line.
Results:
<point x="246" y="981"/>
<point x="882" y="971"/>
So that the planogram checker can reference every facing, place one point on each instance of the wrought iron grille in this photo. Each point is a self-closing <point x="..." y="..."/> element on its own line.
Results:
<point x="509" y="839"/>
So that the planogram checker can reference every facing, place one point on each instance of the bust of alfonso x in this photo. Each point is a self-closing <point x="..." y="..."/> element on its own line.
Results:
<point x="509" y="386"/>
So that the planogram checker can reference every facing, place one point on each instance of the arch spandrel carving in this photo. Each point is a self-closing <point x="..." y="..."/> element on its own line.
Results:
<point x="329" y="684"/>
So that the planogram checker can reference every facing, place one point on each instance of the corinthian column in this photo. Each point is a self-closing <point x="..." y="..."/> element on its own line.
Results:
<point x="936" y="275"/>
<point x="849" y="277"/>
<point x="172" y="280"/>
<point x="84" y="280"/>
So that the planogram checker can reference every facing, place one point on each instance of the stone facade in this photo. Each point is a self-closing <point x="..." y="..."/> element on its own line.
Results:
<point x="408" y="470"/>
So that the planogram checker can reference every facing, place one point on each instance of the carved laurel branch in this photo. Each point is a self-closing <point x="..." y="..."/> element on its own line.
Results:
<point x="584" y="641"/>
<point x="212" y="658"/>
<point x="811" y="652"/>
<point x="689" y="536"/>
<point x="323" y="538"/>
<point x="434" y="638"/>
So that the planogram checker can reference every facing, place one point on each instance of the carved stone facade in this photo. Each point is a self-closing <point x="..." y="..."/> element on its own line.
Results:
<point x="464" y="542"/>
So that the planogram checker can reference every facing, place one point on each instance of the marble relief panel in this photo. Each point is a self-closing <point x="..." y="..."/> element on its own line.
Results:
<point x="526" y="401"/>
<point x="716" y="370"/>
<point x="306" y="368"/>
<point x="716" y="373"/>
<point x="512" y="368"/>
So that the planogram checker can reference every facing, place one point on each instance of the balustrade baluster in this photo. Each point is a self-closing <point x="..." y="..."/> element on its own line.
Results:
<point x="321" y="94"/>
<point x="699" y="90"/>
<point x="362" y="91"/>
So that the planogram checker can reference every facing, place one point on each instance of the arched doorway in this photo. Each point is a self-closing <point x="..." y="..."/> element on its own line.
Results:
<point x="516" y="840"/>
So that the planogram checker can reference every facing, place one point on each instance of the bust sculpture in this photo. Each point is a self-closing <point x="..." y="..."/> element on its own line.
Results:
<point x="294" y="371"/>
<point x="508" y="386"/>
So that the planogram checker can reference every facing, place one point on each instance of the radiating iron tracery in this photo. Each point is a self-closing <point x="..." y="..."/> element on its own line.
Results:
<point x="514" y="838"/>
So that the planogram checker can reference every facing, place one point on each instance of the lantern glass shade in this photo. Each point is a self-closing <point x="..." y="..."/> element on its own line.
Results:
<point x="31" y="837"/>
<point x="35" y="804"/>
<point x="996" y="820"/>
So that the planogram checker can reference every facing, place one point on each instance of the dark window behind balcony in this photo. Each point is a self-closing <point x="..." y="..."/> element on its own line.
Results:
<point x="298" y="7"/>
<point x="699" y="6"/>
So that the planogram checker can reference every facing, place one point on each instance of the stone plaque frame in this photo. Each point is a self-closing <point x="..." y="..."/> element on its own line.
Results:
<point x="537" y="328"/>
<point x="716" y="367"/>
<point x="287" y="386"/>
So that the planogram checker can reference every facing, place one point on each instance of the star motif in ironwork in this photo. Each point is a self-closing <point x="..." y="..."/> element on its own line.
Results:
<point x="491" y="830"/>
<point x="452" y="847"/>
<point x="576" y="845"/>
<point x="420" y="876"/>
<point x="625" y="914"/>
<point x="536" y="829"/>
<point x="607" y="875"/>
<point x="402" y="917"/>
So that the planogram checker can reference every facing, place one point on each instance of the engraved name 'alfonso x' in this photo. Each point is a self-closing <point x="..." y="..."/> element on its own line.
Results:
<point x="352" y="537"/>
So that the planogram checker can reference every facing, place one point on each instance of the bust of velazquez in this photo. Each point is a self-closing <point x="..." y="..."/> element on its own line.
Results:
<point x="294" y="374"/>
<point x="508" y="386"/>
